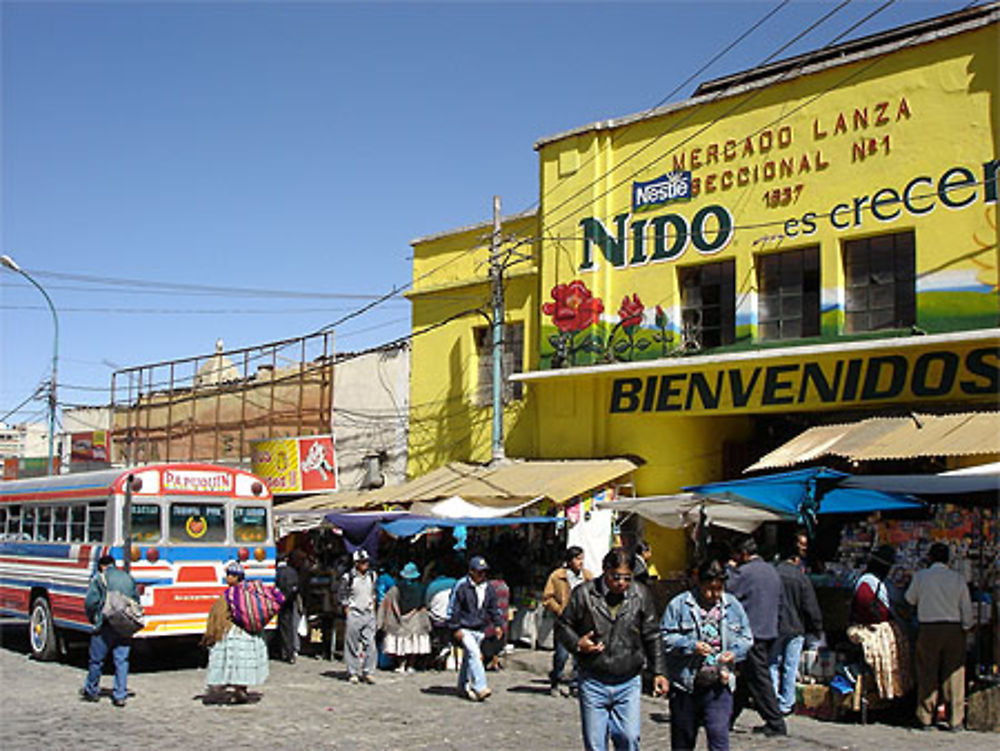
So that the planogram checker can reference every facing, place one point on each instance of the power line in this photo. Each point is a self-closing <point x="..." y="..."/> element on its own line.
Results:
<point x="714" y="59"/>
<point x="694" y="109"/>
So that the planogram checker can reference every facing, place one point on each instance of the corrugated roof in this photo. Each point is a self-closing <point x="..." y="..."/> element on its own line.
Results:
<point x="880" y="438"/>
<point x="511" y="483"/>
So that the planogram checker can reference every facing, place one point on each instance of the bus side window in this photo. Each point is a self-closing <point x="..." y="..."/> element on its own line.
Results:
<point x="43" y="526"/>
<point x="77" y="523"/>
<point x="60" y="520"/>
<point x="28" y="524"/>
<point x="3" y="523"/>
<point x="95" y="523"/>
<point x="14" y="523"/>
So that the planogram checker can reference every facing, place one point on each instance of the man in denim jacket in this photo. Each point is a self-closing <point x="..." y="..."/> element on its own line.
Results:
<point x="705" y="633"/>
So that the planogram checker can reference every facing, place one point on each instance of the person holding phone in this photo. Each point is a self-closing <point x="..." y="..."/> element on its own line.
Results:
<point x="611" y="625"/>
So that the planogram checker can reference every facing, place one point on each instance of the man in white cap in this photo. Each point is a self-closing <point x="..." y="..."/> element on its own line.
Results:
<point x="357" y="596"/>
<point x="475" y="612"/>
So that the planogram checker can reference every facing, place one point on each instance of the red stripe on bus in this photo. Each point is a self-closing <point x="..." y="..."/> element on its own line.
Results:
<point x="53" y="495"/>
<point x="68" y="607"/>
<point x="190" y="574"/>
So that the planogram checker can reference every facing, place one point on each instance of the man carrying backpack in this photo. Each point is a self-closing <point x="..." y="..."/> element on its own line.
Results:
<point x="105" y="638"/>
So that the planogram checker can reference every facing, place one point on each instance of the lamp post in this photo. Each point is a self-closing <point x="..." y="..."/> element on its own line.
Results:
<point x="9" y="263"/>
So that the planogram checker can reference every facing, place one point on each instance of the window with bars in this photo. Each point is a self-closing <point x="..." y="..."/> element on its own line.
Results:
<point x="880" y="283"/>
<point x="708" y="305"/>
<point x="788" y="294"/>
<point x="510" y="363"/>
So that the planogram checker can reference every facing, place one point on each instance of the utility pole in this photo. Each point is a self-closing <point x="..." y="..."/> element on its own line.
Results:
<point x="496" y="290"/>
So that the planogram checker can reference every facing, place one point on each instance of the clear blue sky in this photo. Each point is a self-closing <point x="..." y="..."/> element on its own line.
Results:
<point x="299" y="147"/>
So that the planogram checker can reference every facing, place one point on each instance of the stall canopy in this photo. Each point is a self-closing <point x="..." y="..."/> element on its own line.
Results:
<point x="973" y="485"/>
<point x="464" y="489"/>
<point x="884" y="438"/>
<point x="685" y="509"/>
<point x="408" y="526"/>
<point x="804" y="493"/>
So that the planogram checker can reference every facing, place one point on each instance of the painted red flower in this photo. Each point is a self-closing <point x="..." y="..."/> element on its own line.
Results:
<point x="630" y="312"/>
<point x="575" y="308"/>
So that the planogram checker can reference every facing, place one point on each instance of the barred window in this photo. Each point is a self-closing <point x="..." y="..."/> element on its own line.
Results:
<point x="510" y="363"/>
<point x="708" y="305"/>
<point x="788" y="294"/>
<point x="880" y="279"/>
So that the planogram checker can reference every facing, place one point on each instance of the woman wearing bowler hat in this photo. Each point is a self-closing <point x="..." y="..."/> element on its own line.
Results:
<point x="404" y="620"/>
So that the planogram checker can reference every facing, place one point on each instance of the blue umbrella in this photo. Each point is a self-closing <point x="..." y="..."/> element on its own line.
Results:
<point x="804" y="493"/>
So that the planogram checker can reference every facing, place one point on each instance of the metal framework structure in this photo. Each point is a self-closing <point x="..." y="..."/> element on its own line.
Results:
<point x="209" y="407"/>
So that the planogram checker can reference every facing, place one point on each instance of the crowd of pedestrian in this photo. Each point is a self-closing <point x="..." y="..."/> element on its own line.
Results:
<point x="735" y="636"/>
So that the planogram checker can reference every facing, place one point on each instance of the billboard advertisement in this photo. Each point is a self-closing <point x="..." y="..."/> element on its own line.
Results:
<point x="296" y="465"/>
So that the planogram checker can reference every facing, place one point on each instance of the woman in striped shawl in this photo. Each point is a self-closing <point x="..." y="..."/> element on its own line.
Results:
<point x="236" y="658"/>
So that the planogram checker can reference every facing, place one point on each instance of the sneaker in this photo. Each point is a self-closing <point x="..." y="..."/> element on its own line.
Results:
<point x="471" y="693"/>
<point x="353" y="679"/>
<point x="118" y="702"/>
<point x="485" y="694"/>
<point x="367" y="678"/>
<point x="85" y="696"/>
<point x="554" y="691"/>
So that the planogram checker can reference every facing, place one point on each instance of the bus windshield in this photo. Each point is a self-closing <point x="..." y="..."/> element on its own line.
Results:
<point x="249" y="524"/>
<point x="197" y="522"/>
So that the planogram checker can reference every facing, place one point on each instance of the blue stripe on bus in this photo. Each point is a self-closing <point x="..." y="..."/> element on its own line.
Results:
<point x="206" y="555"/>
<point x="55" y="488"/>
<point x="37" y="549"/>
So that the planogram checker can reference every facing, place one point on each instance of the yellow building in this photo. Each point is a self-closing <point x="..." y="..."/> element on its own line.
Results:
<point x="810" y="242"/>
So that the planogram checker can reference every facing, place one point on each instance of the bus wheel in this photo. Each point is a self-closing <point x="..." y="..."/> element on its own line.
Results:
<point x="42" y="631"/>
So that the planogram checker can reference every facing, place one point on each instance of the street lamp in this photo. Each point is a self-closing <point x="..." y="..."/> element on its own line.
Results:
<point x="9" y="263"/>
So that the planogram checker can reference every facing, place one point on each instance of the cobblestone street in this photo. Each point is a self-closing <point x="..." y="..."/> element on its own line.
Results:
<point x="309" y="705"/>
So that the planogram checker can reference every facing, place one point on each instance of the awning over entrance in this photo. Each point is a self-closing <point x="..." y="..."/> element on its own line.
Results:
<point x="966" y="434"/>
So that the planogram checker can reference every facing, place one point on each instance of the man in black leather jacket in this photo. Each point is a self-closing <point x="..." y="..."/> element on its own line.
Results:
<point x="612" y="626"/>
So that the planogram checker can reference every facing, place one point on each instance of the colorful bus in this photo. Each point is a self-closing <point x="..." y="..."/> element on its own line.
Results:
<point x="186" y="522"/>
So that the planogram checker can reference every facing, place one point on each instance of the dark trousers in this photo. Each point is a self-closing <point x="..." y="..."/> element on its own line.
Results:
<point x="288" y="630"/>
<point x="755" y="680"/>
<point x="710" y="707"/>
<point x="560" y="657"/>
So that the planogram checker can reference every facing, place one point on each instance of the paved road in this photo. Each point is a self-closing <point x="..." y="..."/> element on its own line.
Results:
<point x="309" y="706"/>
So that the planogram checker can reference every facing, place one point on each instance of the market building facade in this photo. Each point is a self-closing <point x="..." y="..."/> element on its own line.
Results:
<point x="810" y="242"/>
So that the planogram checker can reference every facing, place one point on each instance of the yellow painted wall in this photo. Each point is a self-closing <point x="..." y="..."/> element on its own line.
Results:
<point x="451" y="279"/>
<point x="931" y="111"/>
<point x="851" y="133"/>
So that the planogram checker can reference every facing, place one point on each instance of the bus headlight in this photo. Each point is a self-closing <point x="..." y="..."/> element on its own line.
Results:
<point x="260" y="554"/>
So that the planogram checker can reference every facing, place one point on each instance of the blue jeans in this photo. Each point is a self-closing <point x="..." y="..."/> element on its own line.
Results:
<point x="610" y="707"/>
<point x="102" y="642"/>
<point x="472" y="670"/>
<point x="784" y="666"/>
